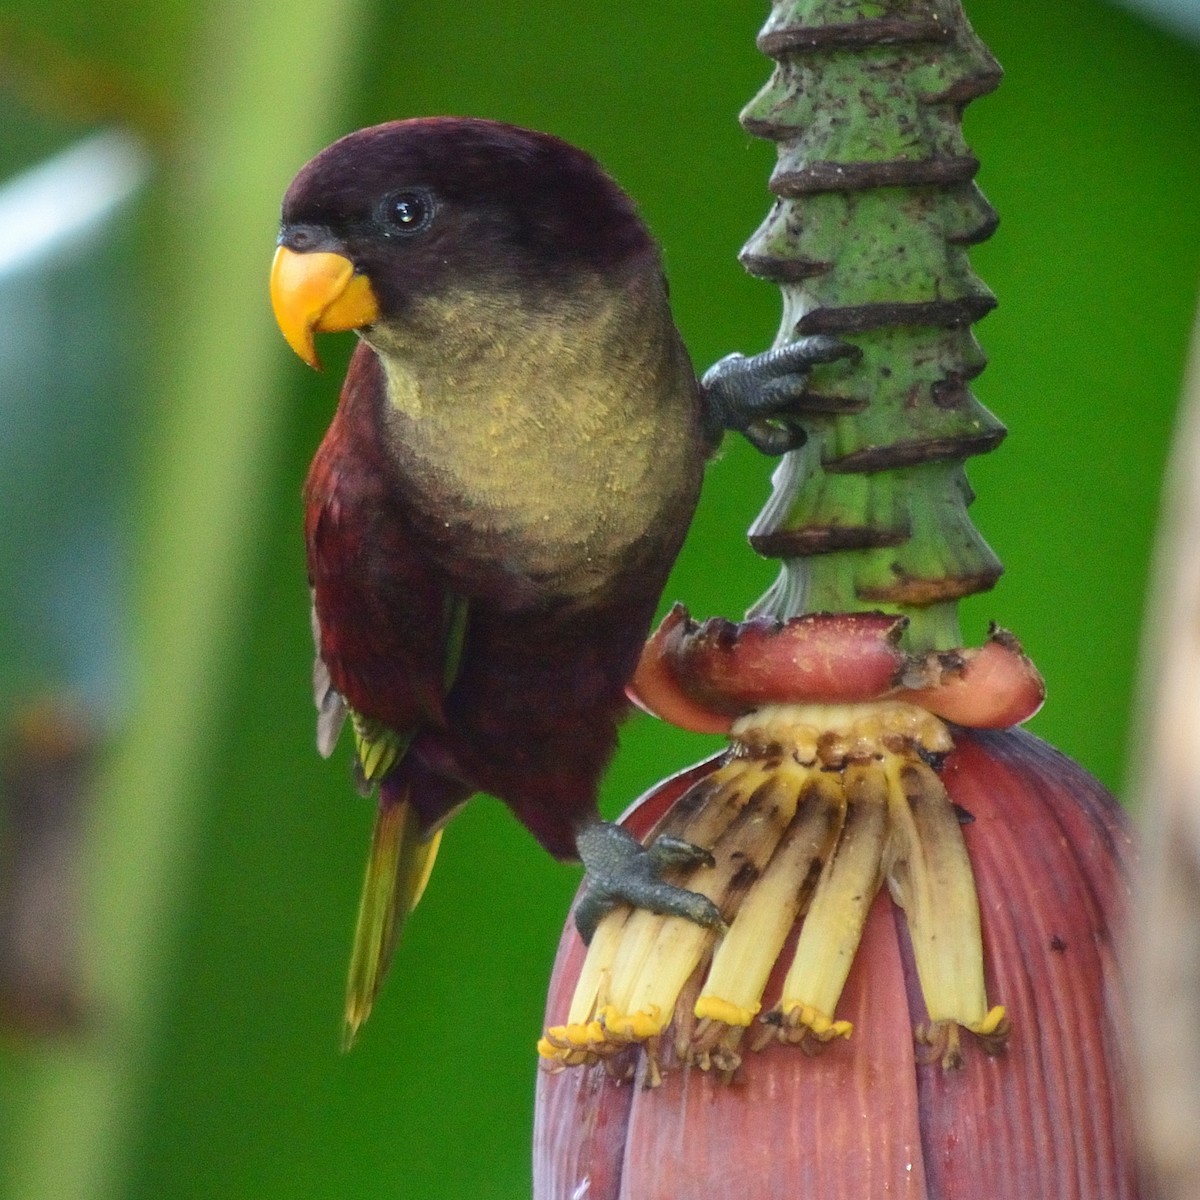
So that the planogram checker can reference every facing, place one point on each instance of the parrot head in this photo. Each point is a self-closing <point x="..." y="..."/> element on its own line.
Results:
<point x="412" y="210"/>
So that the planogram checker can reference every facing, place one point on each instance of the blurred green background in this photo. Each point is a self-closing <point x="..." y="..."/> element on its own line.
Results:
<point x="224" y="857"/>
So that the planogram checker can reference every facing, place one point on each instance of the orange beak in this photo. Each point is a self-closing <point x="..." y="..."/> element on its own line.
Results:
<point x="318" y="292"/>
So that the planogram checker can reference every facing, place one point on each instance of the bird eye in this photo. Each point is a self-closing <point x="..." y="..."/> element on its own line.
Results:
<point x="408" y="212"/>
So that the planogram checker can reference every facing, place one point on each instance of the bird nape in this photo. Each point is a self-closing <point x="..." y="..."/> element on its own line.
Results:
<point x="490" y="520"/>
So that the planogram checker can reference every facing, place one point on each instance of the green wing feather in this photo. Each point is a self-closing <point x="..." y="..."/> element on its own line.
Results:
<point x="378" y="748"/>
<point x="402" y="855"/>
<point x="398" y="868"/>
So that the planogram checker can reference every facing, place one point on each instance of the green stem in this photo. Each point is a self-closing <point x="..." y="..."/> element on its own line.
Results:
<point x="262" y="104"/>
<point x="867" y="241"/>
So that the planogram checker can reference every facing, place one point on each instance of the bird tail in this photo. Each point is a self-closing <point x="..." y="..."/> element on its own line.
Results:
<point x="398" y="868"/>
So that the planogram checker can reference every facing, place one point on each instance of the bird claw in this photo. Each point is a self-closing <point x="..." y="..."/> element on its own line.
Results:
<point x="759" y="396"/>
<point x="620" y="870"/>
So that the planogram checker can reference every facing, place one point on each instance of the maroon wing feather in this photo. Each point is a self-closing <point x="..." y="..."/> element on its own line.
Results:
<point x="380" y="612"/>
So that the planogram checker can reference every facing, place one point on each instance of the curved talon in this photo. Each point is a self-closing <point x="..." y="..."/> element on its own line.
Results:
<point x="620" y="870"/>
<point x="759" y="396"/>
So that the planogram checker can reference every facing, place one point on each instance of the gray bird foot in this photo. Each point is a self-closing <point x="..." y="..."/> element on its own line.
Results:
<point x="620" y="870"/>
<point x="760" y="397"/>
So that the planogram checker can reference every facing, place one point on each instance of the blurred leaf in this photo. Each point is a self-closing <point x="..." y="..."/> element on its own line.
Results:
<point x="257" y="84"/>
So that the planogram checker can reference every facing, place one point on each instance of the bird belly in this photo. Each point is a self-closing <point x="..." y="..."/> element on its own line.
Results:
<point x="547" y="501"/>
<point x="565" y="540"/>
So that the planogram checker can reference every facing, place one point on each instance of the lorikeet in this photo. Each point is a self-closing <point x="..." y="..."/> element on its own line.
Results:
<point x="513" y="464"/>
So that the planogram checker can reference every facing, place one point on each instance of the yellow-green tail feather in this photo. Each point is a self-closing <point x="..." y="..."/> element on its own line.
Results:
<point x="398" y="868"/>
